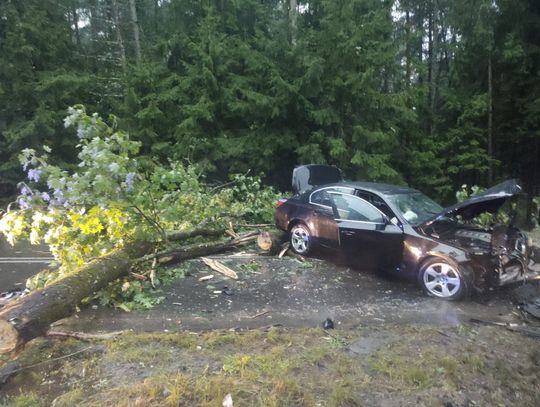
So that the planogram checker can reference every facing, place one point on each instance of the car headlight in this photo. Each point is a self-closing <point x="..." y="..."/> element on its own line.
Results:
<point x="521" y="246"/>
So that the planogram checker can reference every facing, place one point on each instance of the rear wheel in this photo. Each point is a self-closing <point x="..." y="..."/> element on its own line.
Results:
<point x="300" y="239"/>
<point x="442" y="279"/>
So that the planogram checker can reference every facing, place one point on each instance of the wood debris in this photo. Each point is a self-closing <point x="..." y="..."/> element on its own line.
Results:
<point x="220" y="268"/>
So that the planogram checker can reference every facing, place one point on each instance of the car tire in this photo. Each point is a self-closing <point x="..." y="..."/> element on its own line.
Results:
<point x="444" y="280"/>
<point x="300" y="239"/>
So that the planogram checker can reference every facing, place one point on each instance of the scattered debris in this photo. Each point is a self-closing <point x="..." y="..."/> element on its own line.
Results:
<point x="165" y="259"/>
<point x="260" y="314"/>
<point x="328" y="324"/>
<point x="11" y="295"/>
<point x="220" y="268"/>
<point x="495" y="323"/>
<point x="86" y="336"/>
<point x="206" y="278"/>
<point x="284" y="250"/>
<point x="227" y="291"/>
<point x="533" y="308"/>
<point x="227" y="401"/>
<point x="531" y="331"/>
<point x="153" y="272"/>
<point x="8" y="371"/>
<point x="295" y="256"/>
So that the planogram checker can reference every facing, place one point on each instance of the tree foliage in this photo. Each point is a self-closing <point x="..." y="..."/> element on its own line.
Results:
<point x="432" y="93"/>
<point x="113" y="197"/>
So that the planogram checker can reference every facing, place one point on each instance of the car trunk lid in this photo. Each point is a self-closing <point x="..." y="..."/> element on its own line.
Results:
<point x="306" y="177"/>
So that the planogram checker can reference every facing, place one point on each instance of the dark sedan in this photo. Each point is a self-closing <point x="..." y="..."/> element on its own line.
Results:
<point x="400" y="229"/>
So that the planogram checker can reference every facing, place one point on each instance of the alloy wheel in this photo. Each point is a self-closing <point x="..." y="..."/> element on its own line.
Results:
<point x="442" y="280"/>
<point x="300" y="239"/>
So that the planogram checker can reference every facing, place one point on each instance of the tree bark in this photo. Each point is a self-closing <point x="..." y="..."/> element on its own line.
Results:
<point x="136" y="33"/>
<point x="407" y="49"/>
<point x="205" y="249"/>
<point x="490" y="121"/>
<point x="433" y="64"/>
<point x="293" y="18"/>
<point x="76" y="25"/>
<point x="119" y="38"/>
<point x="30" y="316"/>
<point x="183" y="235"/>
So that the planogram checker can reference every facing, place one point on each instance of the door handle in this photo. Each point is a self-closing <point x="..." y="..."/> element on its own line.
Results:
<point x="349" y="233"/>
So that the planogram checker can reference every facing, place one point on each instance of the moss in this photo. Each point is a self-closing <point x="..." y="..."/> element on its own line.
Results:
<point x="301" y="367"/>
<point x="180" y="340"/>
<point x="343" y="395"/>
<point x="26" y="400"/>
<point x="71" y="398"/>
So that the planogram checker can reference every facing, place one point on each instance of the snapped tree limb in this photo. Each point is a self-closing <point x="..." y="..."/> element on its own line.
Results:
<point x="31" y="315"/>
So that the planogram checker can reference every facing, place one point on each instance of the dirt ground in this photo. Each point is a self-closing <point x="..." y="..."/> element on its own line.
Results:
<point x="260" y="339"/>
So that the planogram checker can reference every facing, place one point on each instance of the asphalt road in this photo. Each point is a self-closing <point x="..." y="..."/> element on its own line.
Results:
<point x="20" y="262"/>
<point x="272" y="291"/>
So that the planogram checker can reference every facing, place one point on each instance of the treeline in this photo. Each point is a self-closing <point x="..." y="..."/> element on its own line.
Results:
<point x="433" y="93"/>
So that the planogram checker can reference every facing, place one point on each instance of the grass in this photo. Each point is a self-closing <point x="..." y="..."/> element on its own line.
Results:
<point x="300" y="367"/>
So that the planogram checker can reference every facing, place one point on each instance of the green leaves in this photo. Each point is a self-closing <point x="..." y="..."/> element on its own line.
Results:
<point x="113" y="197"/>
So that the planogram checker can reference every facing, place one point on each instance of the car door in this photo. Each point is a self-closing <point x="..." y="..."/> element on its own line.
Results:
<point x="325" y="228"/>
<point x="365" y="232"/>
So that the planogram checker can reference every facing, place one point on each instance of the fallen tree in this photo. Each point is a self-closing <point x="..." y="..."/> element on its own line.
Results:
<point x="111" y="197"/>
<point x="31" y="315"/>
<point x="272" y="241"/>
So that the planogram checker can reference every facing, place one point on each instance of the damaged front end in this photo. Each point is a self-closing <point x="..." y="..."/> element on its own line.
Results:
<point x="510" y="248"/>
<point x="499" y="255"/>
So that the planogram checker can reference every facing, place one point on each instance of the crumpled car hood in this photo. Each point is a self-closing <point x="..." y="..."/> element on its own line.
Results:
<point x="488" y="201"/>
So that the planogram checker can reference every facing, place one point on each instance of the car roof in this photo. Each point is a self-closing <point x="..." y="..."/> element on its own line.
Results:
<point x="378" y="188"/>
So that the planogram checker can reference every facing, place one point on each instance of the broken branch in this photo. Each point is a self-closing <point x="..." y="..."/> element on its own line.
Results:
<point x="220" y="268"/>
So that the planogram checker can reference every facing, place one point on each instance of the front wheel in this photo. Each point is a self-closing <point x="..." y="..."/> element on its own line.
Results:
<point x="443" y="280"/>
<point x="300" y="239"/>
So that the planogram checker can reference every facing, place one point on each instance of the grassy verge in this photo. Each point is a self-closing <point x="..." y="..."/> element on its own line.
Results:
<point x="301" y="367"/>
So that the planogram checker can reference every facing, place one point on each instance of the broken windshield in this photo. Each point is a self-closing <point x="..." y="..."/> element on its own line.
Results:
<point x="415" y="207"/>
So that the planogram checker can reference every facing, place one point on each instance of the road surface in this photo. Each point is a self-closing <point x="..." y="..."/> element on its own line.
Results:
<point x="20" y="262"/>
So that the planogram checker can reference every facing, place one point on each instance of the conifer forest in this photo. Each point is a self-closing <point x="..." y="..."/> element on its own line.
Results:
<point x="429" y="93"/>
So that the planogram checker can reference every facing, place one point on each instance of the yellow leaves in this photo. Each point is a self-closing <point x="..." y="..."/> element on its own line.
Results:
<point x="14" y="226"/>
<point x="39" y="219"/>
<point x="97" y="219"/>
<point x="91" y="226"/>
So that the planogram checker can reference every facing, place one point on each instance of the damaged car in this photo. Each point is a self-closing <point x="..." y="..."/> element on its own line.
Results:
<point x="399" y="229"/>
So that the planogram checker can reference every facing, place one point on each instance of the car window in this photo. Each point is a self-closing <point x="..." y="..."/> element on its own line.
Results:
<point x="322" y="196"/>
<point x="377" y="202"/>
<point x="351" y="207"/>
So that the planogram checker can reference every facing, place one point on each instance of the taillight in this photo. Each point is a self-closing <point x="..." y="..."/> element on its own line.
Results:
<point x="280" y="202"/>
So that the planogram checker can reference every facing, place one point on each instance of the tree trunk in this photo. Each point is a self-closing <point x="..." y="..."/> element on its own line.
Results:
<point x="119" y="39"/>
<point x="30" y="317"/>
<point x="407" y="49"/>
<point x="433" y="65"/>
<point x="76" y="25"/>
<point x="490" y="121"/>
<point x="271" y="241"/>
<point x="183" y="235"/>
<point x="136" y="36"/>
<point x="205" y="249"/>
<point x="293" y="18"/>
